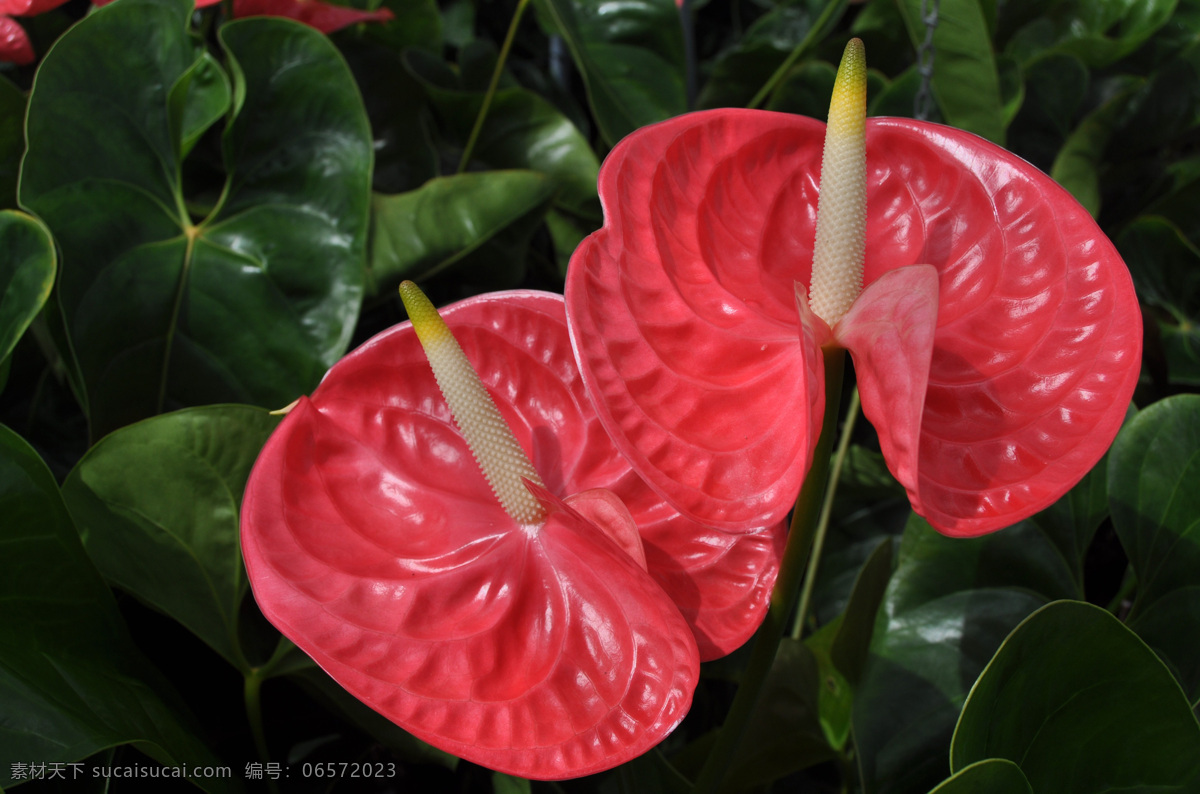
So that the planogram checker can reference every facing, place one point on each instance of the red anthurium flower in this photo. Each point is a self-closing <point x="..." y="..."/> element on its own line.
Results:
<point x="537" y="645"/>
<point x="996" y="343"/>
<point x="15" y="46"/>
<point x="325" y="17"/>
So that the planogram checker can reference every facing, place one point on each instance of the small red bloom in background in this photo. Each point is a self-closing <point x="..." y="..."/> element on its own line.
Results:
<point x="15" y="46"/>
<point x="325" y="17"/>
<point x="997" y="341"/>
<point x="373" y="540"/>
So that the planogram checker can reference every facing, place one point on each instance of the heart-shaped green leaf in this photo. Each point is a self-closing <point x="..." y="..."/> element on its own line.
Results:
<point x="251" y="303"/>
<point x="157" y="505"/>
<point x="491" y="214"/>
<point x="26" y="274"/>
<point x="630" y="55"/>
<point x="1097" y="33"/>
<point x="1166" y="270"/>
<point x="1076" y="700"/>
<point x="71" y="680"/>
<point x="949" y="605"/>
<point x="991" y="776"/>
<point x="1154" y="465"/>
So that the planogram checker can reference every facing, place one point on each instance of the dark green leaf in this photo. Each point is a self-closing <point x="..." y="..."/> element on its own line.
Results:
<point x="324" y="689"/>
<point x="805" y="90"/>
<point x="785" y="733"/>
<point x="416" y="235"/>
<point x="1153" y="467"/>
<point x="1166" y="270"/>
<point x="630" y="55"/>
<point x="1077" y="166"/>
<point x="71" y="680"/>
<point x="507" y="784"/>
<point x="26" y="274"/>
<point x="157" y="505"/>
<point x="1097" y="33"/>
<point x="965" y="78"/>
<point x="949" y="605"/>
<point x="12" y="141"/>
<point x="990" y="776"/>
<point x="1076" y="700"/>
<point x="254" y="302"/>
<point x="853" y="639"/>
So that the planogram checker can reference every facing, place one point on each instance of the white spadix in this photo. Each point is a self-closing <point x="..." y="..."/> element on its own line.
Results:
<point x="837" y="271"/>
<point x="493" y="444"/>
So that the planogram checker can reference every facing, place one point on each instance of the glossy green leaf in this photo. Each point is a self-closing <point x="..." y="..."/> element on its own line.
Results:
<point x="1076" y="700"/>
<point x="869" y="506"/>
<point x="251" y="303"/>
<point x="71" y="680"/>
<point x="853" y="639"/>
<point x="1166" y="271"/>
<point x="12" y="141"/>
<point x="1077" y="166"/>
<point x="26" y="274"/>
<point x="1055" y="87"/>
<point x="990" y="776"/>
<point x="419" y="234"/>
<point x="157" y="505"/>
<point x="744" y="68"/>
<point x="785" y="734"/>
<point x="417" y="23"/>
<point x="1154" y="466"/>
<point x="630" y="55"/>
<point x="966" y="81"/>
<point x="949" y="605"/>
<point x="1099" y="33"/>
<point x="805" y="91"/>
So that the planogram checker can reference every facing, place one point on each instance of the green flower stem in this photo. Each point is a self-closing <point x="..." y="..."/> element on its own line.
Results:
<point x="787" y="586"/>
<point x="491" y="91"/>
<point x="814" y="559"/>
<point x="815" y="31"/>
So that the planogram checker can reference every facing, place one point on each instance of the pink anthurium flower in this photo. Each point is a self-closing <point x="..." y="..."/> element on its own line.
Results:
<point x="514" y="625"/>
<point x="996" y="343"/>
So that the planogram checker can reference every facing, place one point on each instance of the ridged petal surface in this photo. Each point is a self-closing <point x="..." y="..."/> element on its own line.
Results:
<point x="684" y="325"/>
<point x="373" y="541"/>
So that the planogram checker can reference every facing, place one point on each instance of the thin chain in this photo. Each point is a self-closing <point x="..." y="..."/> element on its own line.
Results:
<point x="923" y="103"/>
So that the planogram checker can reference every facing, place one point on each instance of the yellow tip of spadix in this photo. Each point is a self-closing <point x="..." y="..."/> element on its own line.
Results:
<point x="842" y="205"/>
<point x="489" y="437"/>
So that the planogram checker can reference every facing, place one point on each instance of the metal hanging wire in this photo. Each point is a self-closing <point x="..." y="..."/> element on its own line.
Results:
<point x="923" y="103"/>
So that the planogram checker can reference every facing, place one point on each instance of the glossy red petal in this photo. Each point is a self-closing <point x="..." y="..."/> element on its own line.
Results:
<point x="710" y="217"/>
<point x="889" y="331"/>
<point x="604" y="509"/>
<point x="683" y="317"/>
<point x="28" y="8"/>
<point x="721" y="582"/>
<point x="373" y="541"/>
<point x="1038" y="345"/>
<point x="15" y="46"/>
<point x="323" y="16"/>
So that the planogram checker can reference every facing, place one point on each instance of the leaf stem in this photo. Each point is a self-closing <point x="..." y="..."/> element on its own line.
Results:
<point x="787" y="585"/>
<point x="252" y="694"/>
<point x="835" y="474"/>
<point x="810" y="38"/>
<point x="491" y="91"/>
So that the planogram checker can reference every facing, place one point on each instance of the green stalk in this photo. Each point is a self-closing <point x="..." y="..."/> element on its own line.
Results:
<point x="814" y="559"/>
<point x="252" y="693"/>
<point x="491" y="91"/>
<point x="814" y="34"/>
<point x="787" y="586"/>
